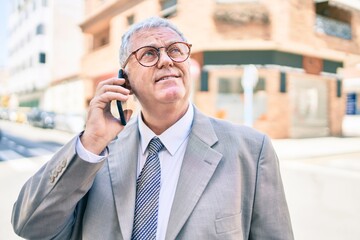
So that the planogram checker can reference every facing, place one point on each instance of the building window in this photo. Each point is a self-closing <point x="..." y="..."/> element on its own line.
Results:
<point x="234" y="85"/>
<point x="42" y="57"/>
<point x="351" y="104"/>
<point x="333" y="21"/>
<point x="40" y="29"/>
<point x="230" y="100"/>
<point x="230" y="85"/>
<point x="204" y="82"/>
<point x="130" y="20"/>
<point x="101" y="39"/>
<point x="168" y="8"/>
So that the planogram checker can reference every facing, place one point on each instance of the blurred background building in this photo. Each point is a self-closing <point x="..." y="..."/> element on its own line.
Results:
<point x="306" y="54"/>
<point x="45" y="46"/>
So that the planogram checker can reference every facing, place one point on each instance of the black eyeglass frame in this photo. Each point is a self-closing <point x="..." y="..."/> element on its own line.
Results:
<point x="158" y="53"/>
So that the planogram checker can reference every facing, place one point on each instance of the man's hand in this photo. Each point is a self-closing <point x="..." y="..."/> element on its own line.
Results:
<point x="101" y="126"/>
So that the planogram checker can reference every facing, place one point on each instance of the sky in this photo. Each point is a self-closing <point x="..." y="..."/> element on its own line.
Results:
<point x="3" y="30"/>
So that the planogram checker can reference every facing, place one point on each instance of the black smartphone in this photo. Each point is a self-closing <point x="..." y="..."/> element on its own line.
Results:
<point x="118" y="103"/>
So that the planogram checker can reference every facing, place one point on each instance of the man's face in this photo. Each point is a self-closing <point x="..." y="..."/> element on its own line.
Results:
<point x="165" y="83"/>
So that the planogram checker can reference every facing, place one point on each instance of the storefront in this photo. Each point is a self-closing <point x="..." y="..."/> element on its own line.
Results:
<point x="288" y="100"/>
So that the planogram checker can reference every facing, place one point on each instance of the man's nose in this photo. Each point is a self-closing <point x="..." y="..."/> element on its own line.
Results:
<point x="164" y="59"/>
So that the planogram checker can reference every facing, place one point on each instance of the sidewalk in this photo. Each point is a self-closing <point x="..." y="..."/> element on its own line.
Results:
<point x="321" y="178"/>
<point x="328" y="153"/>
<point x="291" y="149"/>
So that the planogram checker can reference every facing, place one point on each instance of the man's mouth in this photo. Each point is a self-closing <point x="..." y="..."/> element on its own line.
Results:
<point x="166" y="78"/>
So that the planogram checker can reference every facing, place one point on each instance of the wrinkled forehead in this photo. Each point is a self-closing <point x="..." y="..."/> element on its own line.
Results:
<point x="157" y="37"/>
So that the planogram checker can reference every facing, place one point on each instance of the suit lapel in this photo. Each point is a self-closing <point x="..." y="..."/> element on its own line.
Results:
<point x="122" y="167"/>
<point x="199" y="164"/>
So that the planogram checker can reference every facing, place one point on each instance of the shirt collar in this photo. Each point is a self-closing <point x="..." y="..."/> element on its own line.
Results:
<point x="173" y="137"/>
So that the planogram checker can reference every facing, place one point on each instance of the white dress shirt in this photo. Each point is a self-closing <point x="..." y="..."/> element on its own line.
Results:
<point x="175" y="141"/>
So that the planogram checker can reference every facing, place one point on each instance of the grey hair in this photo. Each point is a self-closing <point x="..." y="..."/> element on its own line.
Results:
<point x="152" y="22"/>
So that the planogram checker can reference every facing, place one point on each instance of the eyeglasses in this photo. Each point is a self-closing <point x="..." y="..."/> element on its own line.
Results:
<point x="149" y="56"/>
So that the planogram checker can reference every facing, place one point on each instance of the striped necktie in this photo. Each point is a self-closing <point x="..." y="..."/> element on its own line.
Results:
<point x="147" y="194"/>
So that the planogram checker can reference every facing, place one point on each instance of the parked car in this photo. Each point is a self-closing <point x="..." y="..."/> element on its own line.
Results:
<point x="41" y="118"/>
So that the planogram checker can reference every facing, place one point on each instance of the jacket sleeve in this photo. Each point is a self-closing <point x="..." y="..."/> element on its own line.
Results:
<point x="47" y="205"/>
<point x="270" y="217"/>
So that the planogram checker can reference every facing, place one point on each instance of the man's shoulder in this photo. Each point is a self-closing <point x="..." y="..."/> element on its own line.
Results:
<point x="227" y="127"/>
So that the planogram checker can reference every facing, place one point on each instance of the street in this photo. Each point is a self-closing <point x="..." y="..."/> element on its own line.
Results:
<point x="23" y="150"/>
<point x="14" y="147"/>
<point x="321" y="178"/>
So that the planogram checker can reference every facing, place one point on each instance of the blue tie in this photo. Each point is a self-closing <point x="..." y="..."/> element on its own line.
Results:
<point x="147" y="194"/>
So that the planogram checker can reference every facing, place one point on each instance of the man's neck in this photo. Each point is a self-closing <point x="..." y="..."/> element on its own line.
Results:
<point x="160" y="121"/>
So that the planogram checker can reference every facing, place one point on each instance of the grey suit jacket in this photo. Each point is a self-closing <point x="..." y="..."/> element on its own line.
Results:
<point x="229" y="188"/>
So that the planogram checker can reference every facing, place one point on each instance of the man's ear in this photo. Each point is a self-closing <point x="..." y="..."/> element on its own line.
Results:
<point x="127" y="84"/>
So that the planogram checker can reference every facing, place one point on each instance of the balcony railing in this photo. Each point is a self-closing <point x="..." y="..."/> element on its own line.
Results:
<point x="333" y="27"/>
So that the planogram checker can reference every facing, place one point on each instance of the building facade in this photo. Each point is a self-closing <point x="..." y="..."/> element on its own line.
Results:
<point x="297" y="48"/>
<point x="28" y="47"/>
<point x="4" y="94"/>
<point x="45" y="49"/>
